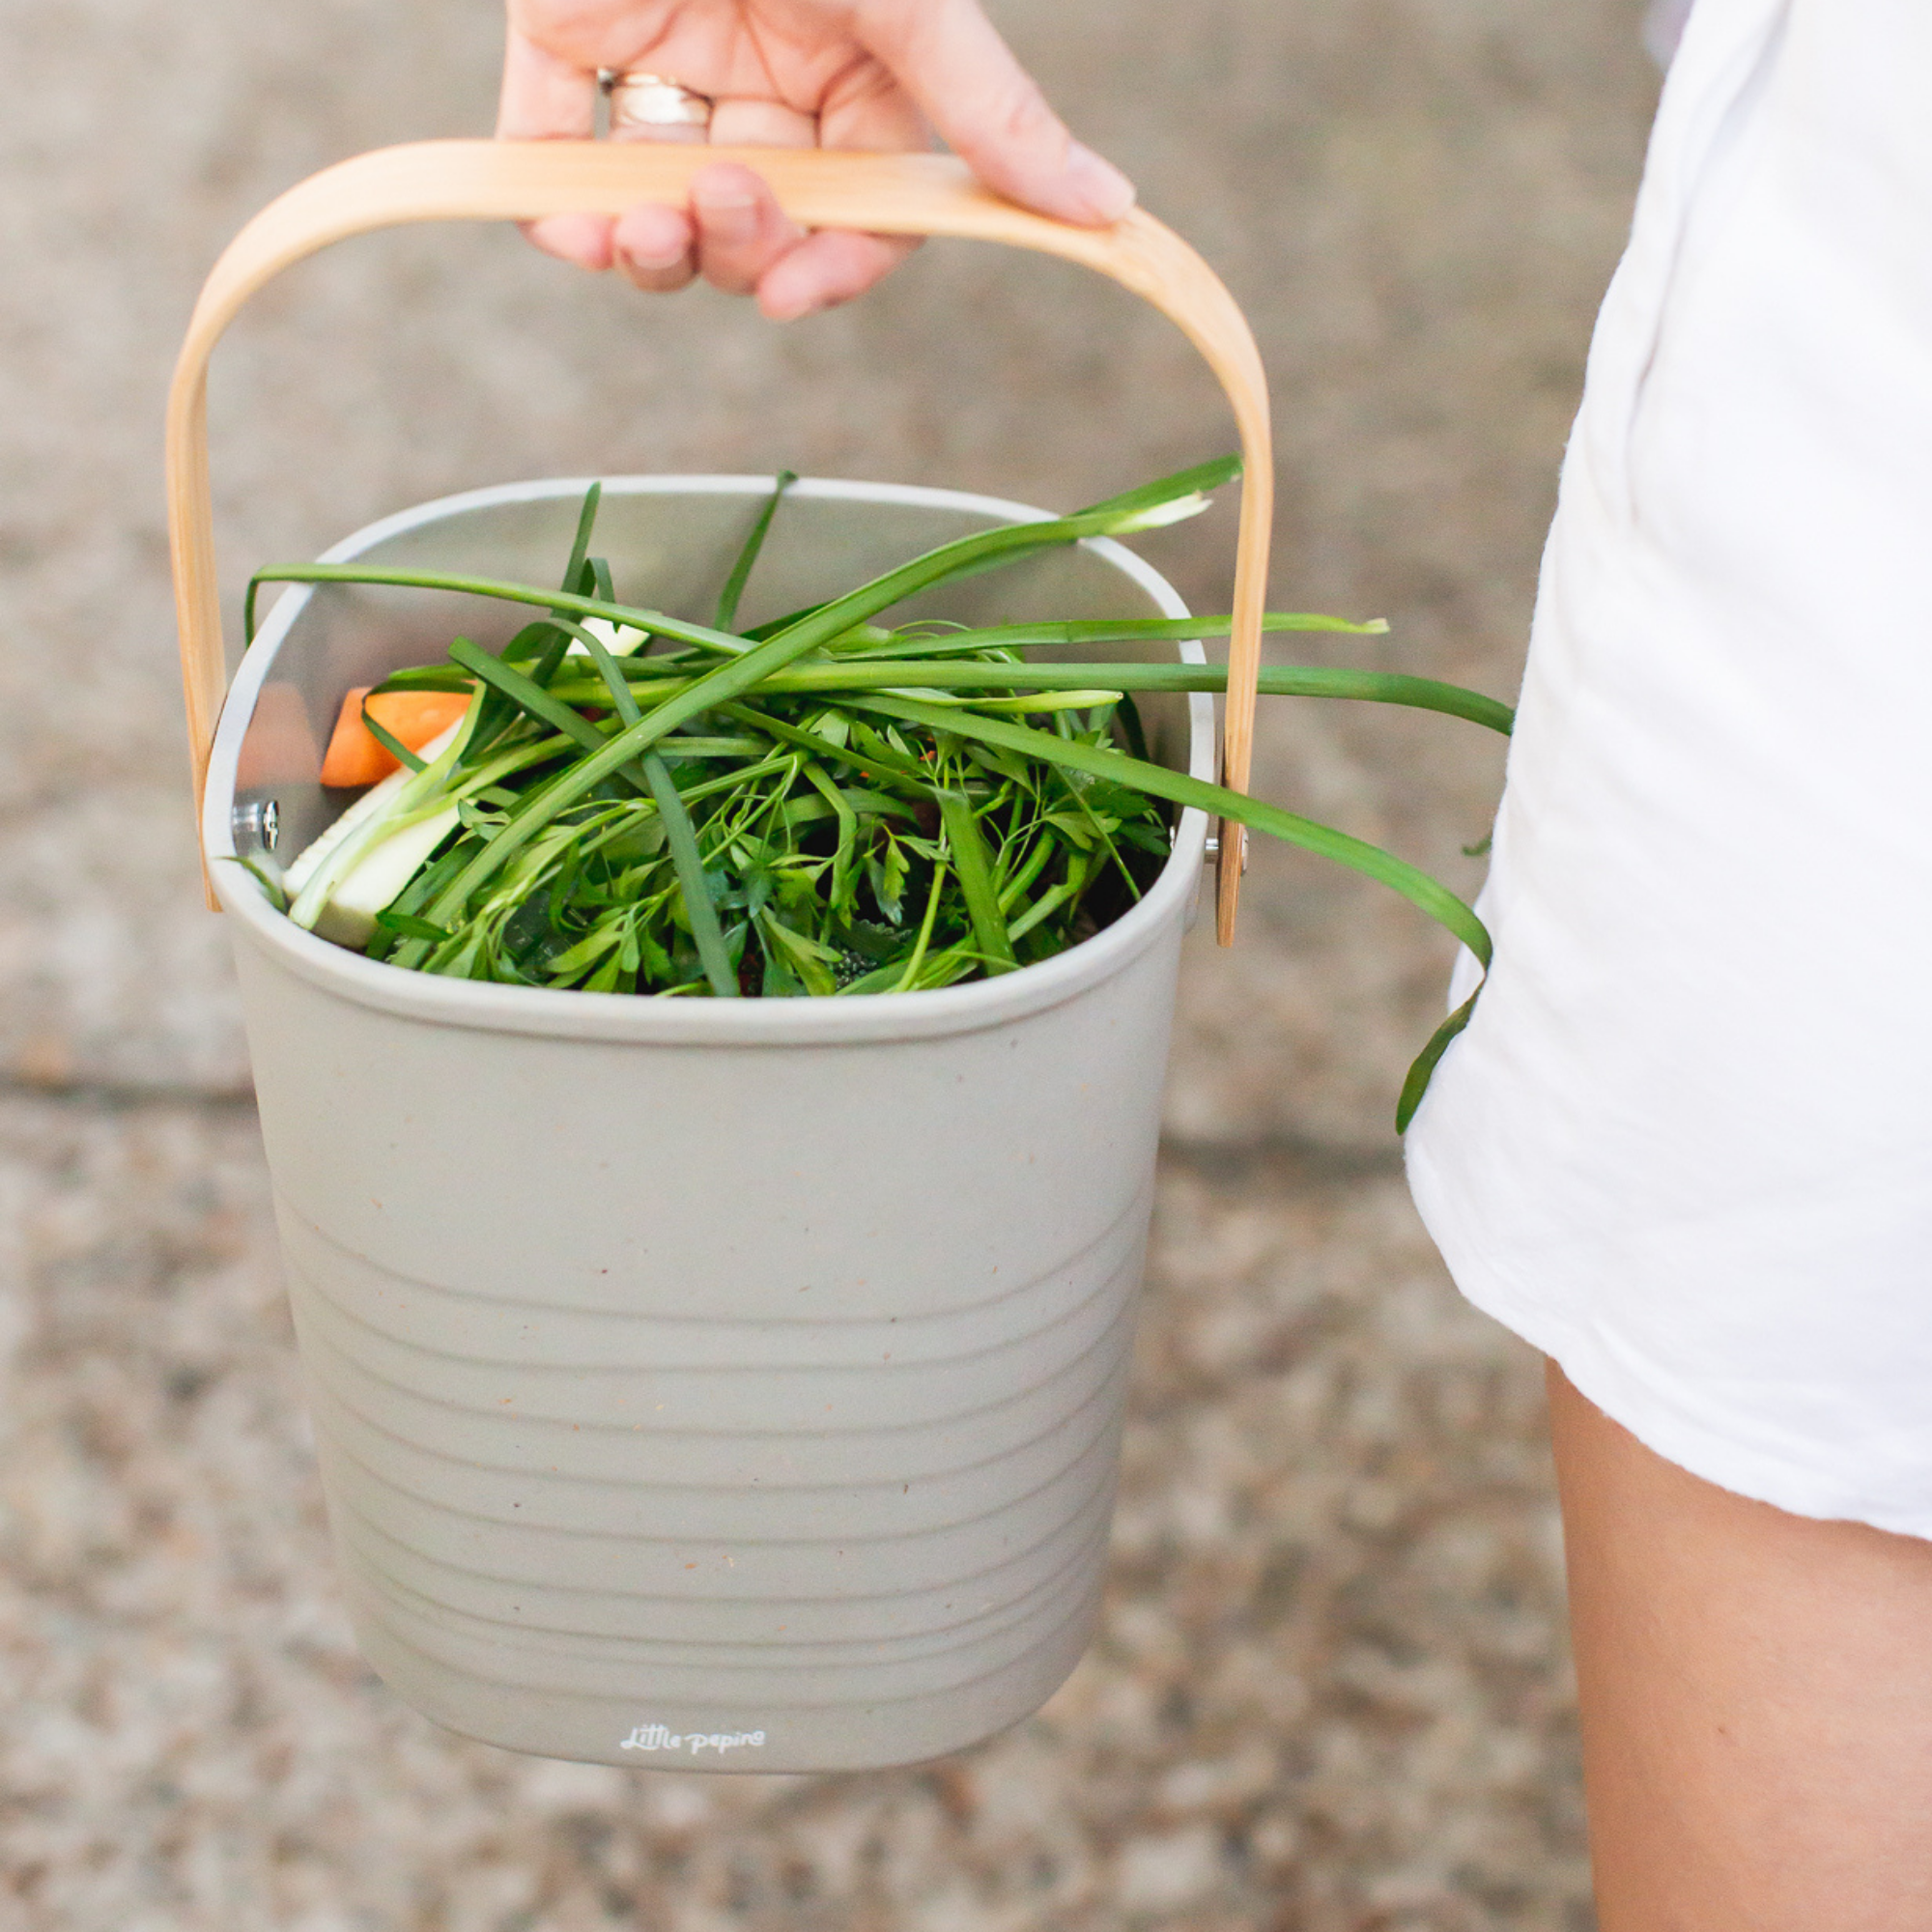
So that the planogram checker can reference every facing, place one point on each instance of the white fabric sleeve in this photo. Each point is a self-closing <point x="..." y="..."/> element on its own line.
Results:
<point x="1683" y="1144"/>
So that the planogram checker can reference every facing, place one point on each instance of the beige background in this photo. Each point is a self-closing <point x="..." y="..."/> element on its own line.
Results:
<point x="1330" y="1694"/>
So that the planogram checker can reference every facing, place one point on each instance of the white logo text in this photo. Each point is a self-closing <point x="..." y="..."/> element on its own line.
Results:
<point x="662" y="1737"/>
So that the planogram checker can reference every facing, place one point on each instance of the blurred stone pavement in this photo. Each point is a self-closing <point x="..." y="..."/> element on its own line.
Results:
<point x="1330" y="1694"/>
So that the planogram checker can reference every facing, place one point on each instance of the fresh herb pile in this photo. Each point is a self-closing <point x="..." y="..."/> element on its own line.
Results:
<point x="630" y="803"/>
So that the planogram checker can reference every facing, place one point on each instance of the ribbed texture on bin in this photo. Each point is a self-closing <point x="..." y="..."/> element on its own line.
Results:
<point x="763" y="1525"/>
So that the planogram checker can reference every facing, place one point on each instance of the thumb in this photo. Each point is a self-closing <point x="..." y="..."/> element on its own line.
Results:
<point x="950" y="58"/>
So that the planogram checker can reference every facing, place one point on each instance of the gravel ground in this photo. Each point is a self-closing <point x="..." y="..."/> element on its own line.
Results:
<point x="1331" y="1693"/>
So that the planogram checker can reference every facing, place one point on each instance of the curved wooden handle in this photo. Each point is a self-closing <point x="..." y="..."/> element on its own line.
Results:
<point x="886" y="194"/>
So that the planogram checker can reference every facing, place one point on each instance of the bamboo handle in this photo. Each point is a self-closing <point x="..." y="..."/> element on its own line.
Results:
<point x="889" y="194"/>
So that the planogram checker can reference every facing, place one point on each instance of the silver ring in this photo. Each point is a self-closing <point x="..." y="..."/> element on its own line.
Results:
<point x="654" y="100"/>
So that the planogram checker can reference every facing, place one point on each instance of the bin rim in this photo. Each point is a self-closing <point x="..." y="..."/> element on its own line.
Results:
<point x="569" y="1015"/>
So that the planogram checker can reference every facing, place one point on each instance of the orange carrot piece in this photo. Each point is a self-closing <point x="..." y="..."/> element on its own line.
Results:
<point x="413" y="717"/>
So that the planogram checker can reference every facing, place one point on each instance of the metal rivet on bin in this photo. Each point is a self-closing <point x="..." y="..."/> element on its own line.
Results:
<point x="259" y="824"/>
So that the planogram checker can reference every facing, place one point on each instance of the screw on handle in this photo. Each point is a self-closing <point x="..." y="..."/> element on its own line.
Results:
<point x="885" y="194"/>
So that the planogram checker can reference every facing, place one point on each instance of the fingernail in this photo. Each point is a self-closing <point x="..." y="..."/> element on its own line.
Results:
<point x="646" y="255"/>
<point x="1098" y="183"/>
<point x="584" y="241"/>
<point x="794" y="307"/>
<point x="727" y="210"/>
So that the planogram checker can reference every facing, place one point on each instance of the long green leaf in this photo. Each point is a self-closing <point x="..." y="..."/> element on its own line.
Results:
<point x="1164" y="489"/>
<point x="1374" y="687"/>
<point x="717" y="643"/>
<point x="741" y="571"/>
<point x="1006" y="542"/>
<point x="579" y="546"/>
<point x="1136" y="510"/>
<point x="1197" y="480"/>
<point x="1099" y="631"/>
<point x="681" y="836"/>
<point x="971" y="861"/>
<point x="1424" y="1066"/>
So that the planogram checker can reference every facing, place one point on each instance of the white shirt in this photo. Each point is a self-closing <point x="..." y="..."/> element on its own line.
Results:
<point x="1685" y="1143"/>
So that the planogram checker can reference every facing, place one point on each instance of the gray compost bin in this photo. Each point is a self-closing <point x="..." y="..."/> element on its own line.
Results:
<point x="732" y="1385"/>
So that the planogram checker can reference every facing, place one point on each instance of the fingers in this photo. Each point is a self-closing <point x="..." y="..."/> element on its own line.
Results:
<point x="867" y="109"/>
<point x="546" y="99"/>
<point x="656" y="247"/>
<point x="948" y="56"/>
<point x="740" y="240"/>
<point x="735" y="228"/>
<point x="828" y="268"/>
<point x="761" y="124"/>
<point x="741" y="229"/>
<point x="942" y="52"/>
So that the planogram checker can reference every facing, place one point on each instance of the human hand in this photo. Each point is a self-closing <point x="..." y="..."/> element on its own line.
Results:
<point x="790" y="74"/>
